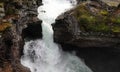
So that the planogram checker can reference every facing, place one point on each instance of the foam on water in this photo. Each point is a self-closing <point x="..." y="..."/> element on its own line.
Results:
<point x="43" y="55"/>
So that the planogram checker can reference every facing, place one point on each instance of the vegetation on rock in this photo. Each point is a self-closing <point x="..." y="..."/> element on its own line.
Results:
<point x="4" y="26"/>
<point x="96" y="19"/>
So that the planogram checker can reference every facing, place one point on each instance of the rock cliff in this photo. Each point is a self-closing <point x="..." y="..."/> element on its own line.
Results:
<point x="89" y="25"/>
<point x="15" y="17"/>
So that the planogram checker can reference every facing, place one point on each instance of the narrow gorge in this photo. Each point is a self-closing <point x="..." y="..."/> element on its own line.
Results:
<point x="59" y="35"/>
<point x="43" y="55"/>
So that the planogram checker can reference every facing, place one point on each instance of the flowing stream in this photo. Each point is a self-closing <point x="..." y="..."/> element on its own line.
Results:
<point x="43" y="55"/>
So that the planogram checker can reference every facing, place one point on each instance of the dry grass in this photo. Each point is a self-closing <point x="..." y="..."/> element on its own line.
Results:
<point x="112" y="2"/>
<point x="3" y="26"/>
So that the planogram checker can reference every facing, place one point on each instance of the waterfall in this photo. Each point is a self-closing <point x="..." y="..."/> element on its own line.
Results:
<point x="43" y="55"/>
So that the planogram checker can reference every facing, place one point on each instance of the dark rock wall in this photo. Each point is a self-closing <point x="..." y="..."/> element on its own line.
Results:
<point x="19" y="14"/>
<point x="98" y="59"/>
<point x="33" y="31"/>
<point x="64" y="29"/>
<point x="11" y="50"/>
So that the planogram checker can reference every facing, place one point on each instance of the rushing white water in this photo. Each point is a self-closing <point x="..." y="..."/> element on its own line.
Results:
<point x="44" y="55"/>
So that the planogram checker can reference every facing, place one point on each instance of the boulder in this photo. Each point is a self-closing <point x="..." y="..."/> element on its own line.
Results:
<point x="88" y="25"/>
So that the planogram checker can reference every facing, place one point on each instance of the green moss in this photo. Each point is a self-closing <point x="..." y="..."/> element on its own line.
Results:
<point x="81" y="10"/>
<point x="93" y="23"/>
<point x="87" y="19"/>
<point x="116" y="24"/>
<point x="101" y="22"/>
<point x="117" y="20"/>
<point x="86" y="22"/>
<point x="102" y="27"/>
<point x="104" y="12"/>
<point x="116" y="29"/>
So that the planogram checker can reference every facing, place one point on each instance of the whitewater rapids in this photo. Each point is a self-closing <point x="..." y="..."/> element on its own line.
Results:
<point x="43" y="55"/>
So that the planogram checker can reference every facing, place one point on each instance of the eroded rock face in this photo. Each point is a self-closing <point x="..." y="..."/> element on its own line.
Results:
<point x="10" y="51"/>
<point x="18" y="13"/>
<point x="64" y="29"/>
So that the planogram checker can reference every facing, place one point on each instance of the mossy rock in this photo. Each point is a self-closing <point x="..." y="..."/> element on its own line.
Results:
<point x="115" y="20"/>
<point x="116" y="29"/>
<point x="103" y="21"/>
<point x="104" y="12"/>
<point x="80" y="10"/>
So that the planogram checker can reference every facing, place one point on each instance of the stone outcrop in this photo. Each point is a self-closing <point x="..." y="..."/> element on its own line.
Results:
<point x="18" y="15"/>
<point x="88" y="25"/>
<point x="11" y="47"/>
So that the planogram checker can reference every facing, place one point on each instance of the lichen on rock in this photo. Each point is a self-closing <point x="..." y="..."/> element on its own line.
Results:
<point x="96" y="19"/>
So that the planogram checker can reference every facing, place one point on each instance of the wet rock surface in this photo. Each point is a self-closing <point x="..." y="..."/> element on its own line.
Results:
<point x="98" y="59"/>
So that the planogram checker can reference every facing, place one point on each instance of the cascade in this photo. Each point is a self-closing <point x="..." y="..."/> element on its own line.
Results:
<point x="43" y="55"/>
